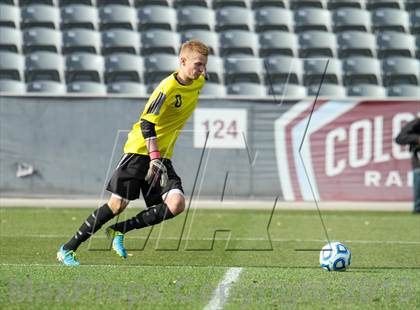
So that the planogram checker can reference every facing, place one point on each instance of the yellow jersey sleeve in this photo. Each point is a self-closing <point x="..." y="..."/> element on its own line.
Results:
<point x="155" y="106"/>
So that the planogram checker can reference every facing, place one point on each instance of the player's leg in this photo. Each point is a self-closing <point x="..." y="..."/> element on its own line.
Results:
<point x="120" y="183"/>
<point x="162" y="204"/>
<point x="117" y="204"/>
<point x="91" y="225"/>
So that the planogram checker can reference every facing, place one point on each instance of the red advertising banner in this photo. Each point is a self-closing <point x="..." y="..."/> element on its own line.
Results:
<point x="344" y="150"/>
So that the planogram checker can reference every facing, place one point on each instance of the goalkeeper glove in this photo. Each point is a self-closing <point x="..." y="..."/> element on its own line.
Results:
<point x="157" y="172"/>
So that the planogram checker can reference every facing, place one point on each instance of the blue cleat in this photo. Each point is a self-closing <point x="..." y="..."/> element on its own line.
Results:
<point x="117" y="241"/>
<point x="68" y="258"/>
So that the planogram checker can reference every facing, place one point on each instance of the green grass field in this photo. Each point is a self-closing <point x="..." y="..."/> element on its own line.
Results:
<point x="166" y="272"/>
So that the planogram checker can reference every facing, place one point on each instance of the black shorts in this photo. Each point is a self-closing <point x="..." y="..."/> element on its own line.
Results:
<point x="128" y="179"/>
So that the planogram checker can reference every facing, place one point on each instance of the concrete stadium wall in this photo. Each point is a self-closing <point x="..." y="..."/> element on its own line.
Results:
<point x="73" y="143"/>
<point x="68" y="146"/>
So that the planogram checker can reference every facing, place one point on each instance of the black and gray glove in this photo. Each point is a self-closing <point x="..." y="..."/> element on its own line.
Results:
<point x="157" y="173"/>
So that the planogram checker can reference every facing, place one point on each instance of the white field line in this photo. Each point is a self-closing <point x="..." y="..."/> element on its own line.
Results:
<point x="52" y="236"/>
<point x="221" y="292"/>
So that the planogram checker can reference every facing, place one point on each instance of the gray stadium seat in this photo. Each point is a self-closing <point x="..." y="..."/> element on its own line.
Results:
<point x="411" y="91"/>
<point x="238" y="42"/>
<point x="230" y="18"/>
<point x="40" y="15"/>
<point x="299" y="4"/>
<point x="278" y="43"/>
<point x="51" y="87"/>
<point x="23" y="3"/>
<point x="120" y="41"/>
<point x="312" y="19"/>
<point x="273" y="18"/>
<point x="412" y="5"/>
<point x="183" y="3"/>
<point x="415" y="21"/>
<point x="118" y="16"/>
<point x="81" y="40"/>
<point x="367" y="90"/>
<point x="41" y="39"/>
<point x="12" y="66"/>
<point x="361" y="70"/>
<point x="356" y="43"/>
<point x="229" y="3"/>
<point x="123" y="67"/>
<point x="87" y="88"/>
<point x="10" y="2"/>
<point x="287" y="90"/>
<point x="12" y="86"/>
<point x="196" y="17"/>
<point x="133" y="88"/>
<point x="68" y="2"/>
<point x="160" y="41"/>
<point x="317" y="43"/>
<point x="333" y="91"/>
<point x="351" y="19"/>
<point x="390" y="19"/>
<point x="158" y="66"/>
<point x="376" y="4"/>
<point x="79" y="16"/>
<point x="215" y="69"/>
<point x="283" y="69"/>
<point x="213" y="90"/>
<point x="9" y="15"/>
<point x="338" y="4"/>
<point x="247" y="89"/>
<point x="391" y="43"/>
<point x="211" y="38"/>
<point x="10" y="39"/>
<point x="270" y="3"/>
<point x="84" y="67"/>
<point x="100" y="3"/>
<point x="44" y="66"/>
<point x="401" y="70"/>
<point x="157" y="17"/>
<point x="141" y="3"/>
<point x="314" y="69"/>
<point x="243" y="69"/>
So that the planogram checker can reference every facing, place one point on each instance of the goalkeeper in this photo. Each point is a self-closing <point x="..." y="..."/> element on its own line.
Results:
<point x="146" y="165"/>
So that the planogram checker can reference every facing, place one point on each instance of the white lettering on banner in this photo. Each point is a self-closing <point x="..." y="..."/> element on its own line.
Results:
<point x="399" y="151"/>
<point x="372" y="178"/>
<point x="365" y="127"/>
<point x="359" y="138"/>
<point x="332" y="168"/>
<point x="226" y="128"/>
<point x="379" y="156"/>
<point x="393" y="178"/>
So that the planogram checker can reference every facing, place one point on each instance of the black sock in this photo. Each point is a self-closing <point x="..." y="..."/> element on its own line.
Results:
<point x="151" y="216"/>
<point x="92" y="224"/>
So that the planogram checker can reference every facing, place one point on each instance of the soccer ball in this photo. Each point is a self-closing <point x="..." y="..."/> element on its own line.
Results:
<point x="335" y="256"/>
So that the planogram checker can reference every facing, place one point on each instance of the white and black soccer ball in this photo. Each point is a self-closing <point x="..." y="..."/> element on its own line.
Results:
<point x="335" y="256"/>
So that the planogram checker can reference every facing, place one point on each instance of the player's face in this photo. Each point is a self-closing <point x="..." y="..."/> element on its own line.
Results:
<point x="193" y="65"/>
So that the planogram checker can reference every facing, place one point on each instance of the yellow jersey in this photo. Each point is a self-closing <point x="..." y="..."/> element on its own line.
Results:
<point x="169" y="107"/>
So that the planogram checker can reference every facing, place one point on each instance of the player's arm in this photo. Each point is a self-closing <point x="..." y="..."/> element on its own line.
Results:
<point x="149" y="134"/>
<point x="409" y="133"/>
<point x="157" y="170"/>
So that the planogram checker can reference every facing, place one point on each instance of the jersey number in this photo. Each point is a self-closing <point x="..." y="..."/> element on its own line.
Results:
<point x="178" y="101"/>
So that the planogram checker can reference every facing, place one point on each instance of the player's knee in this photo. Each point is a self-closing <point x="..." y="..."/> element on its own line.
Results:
<point x="117" y="204"/>
<point x="177" y="207"/>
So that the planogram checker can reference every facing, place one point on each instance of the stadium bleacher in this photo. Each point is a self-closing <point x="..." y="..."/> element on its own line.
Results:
<point x="373" y="45"/>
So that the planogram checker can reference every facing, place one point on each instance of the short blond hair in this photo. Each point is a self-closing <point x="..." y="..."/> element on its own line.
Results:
<point x="194" y="46"/>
